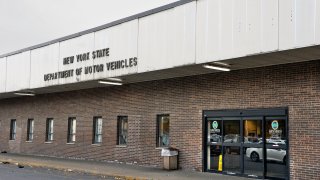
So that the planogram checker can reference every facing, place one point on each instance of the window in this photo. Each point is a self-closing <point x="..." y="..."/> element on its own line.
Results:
<point x="13" y="127"/>
<point x="97" y="130"/>
<point x="49" y="130"/>
<point x="30" y="130"/>
<point x="122" y="130"/>
<point x="163" y="131"/>
<point x="72" y="125"/>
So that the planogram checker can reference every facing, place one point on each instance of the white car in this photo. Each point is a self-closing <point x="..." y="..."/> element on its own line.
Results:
<point x="276" y="141"/>
<point x="255" y="154"/>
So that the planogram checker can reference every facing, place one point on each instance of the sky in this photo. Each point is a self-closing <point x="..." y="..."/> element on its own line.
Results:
<point x="25" y="23"/>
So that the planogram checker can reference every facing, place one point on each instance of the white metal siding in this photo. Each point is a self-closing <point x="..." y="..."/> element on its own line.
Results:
<point x="3" y="71"/>
<point x="240" y="43"/>
<point x="305" y="22"/>
<point x="167" y="39"/>
<point x="269" y="25"/>
<point x="208" y="30"/>
<point x="235" y="28"/>
<point x="18" y="72"/>
<point x="287" y="15"/>
<point x="317" y="20"/>
<point x="123" y="43"/>
<point x="74" y="47"/>
<point x="226" y="29"/>
<point x="253" y="27"/>
<point x="43" y="61"/>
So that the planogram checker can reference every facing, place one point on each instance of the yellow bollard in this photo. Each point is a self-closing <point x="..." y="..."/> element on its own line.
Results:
<point x="220" y="163"/>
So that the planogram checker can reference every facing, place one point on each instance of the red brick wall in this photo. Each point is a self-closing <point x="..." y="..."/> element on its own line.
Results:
<point x="296" y="86"/>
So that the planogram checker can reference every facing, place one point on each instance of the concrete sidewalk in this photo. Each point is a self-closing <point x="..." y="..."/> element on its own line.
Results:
<point x="118" y="170"/>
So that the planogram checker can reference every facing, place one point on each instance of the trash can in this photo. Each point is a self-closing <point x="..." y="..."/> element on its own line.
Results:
<point x="170" y="158"/>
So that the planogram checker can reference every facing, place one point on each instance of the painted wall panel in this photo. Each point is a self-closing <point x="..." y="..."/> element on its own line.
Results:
<point x="253" y="29"/>
<point x="122" y="41"/>
<point x="317" y="23"/>
<point x="18" y="72"/>
<point x="167" y="39"/>
<point x="305" y="22"/>
<point x="71" y="48"/>
<point x="287" y="15"/>
<point x="208" y="30"/>
<point x="269" y="25"/>
<point x="3" y="74"/>
<point x="43" y="61"/>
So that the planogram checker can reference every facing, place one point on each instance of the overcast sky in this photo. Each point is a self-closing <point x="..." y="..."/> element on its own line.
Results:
<point x="24" y="23"/>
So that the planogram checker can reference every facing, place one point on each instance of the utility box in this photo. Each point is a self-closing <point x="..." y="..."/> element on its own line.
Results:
<point x="170" y="158"/>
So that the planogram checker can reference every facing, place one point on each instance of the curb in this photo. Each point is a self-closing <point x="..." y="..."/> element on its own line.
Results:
<point x="92" y="172"/>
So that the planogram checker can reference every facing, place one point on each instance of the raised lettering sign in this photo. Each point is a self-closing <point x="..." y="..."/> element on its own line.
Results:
<point x="87" y="56"/>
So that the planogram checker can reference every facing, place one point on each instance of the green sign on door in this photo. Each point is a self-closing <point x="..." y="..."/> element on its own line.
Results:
<point x="214" y="124"/>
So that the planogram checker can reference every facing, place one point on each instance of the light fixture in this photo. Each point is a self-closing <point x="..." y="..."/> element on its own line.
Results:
<point x="221" y="63"/>
<point x="216" y="68"/>
<point x="114" y="79"/>
<point x="110" y="83"/>
<point x="24" y="93"/>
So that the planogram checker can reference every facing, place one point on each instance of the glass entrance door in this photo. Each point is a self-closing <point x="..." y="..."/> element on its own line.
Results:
<point x="214" y="144"/>
<point x="231" y="145"/>
<point x="276" y="147"/>
<point x="253" y="154"/>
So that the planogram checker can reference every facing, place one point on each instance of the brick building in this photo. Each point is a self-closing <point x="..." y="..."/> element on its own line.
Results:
<point x="169" y="78"/>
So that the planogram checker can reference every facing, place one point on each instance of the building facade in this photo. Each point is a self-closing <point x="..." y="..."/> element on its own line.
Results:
<point x="125" y="90"/>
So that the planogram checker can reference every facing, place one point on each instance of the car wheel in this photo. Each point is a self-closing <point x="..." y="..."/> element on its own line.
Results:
<point x="284" y="160"/>
<point x="254" y="157"/>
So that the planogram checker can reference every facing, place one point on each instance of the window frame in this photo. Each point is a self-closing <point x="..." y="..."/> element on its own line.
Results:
<point x="158" y="136"/>
<point x="49" y="129"/>
<point x="30" y="130"/>
<point x="13" y="129"/>
<point x="120" y="130"/>
<point x="72" y="130"/>
<point x="97" y="134"/>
